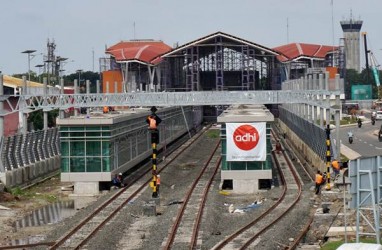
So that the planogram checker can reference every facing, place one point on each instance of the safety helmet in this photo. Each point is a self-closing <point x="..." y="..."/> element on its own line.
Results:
<point x="120" y="174"/>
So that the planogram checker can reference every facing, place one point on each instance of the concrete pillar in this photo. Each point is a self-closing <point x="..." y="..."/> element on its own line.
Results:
<point x="75" y="93"/>
<point x="326" y="81"/>
<point x="88" y="92"/>
<point x="98" y="89"/>
<point x="338" y="143"/>
<point x="337" y="115"/>
<point x="327" y="112"/>
<point x="1" y="108"/>
<point x="314" y="114"/>
<point x="310" y="82"/>
<point x="320" y="81"/>
<point x="62" y="112"/>
<point x="322" y="118"/>
<point x="45" y="94"/>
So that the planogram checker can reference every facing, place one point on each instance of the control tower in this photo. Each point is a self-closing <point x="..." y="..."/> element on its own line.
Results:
<point x="351" y="29"/>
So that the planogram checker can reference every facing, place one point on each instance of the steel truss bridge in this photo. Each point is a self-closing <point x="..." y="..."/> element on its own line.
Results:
<point x="28" y="103"/>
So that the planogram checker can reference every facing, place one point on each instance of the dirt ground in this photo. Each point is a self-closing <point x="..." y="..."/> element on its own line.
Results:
<point x="16" y="204"/>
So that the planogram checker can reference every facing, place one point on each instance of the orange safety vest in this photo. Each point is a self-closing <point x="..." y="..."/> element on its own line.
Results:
<point x="152" y="122"/>
<point x="158" y="180"/>
<point x="106" y="109"/>
<point x="319" y="178"/>
<point x="336" y="165"/>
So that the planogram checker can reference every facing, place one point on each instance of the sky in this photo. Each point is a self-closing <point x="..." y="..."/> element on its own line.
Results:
<point x="82" y="29"/>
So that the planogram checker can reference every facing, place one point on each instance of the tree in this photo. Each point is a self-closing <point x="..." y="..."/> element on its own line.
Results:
<point x="37" y="119"/>
<point x="87" y="75"/>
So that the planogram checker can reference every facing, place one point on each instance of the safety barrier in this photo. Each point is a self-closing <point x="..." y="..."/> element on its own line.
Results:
<point x="311" y="134"/>
<point x="30" y="156"/>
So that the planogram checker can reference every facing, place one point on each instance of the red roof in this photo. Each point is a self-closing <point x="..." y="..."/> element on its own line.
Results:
<point x="295" y="50"/>
<point x="141" y="50"/>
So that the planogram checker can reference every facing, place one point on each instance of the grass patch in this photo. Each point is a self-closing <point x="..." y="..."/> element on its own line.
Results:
<point x="41" y="191"/>
<point x="333" y="245"/>
<point x="213" y="133"/>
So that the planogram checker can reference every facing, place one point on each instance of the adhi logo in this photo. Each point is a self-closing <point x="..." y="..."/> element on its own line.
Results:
<point x="246" y="137"/>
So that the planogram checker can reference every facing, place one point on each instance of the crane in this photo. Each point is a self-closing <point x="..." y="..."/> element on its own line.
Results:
<point x="373" y="66"/>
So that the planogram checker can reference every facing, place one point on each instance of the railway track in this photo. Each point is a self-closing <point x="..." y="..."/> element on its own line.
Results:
<point x="249" y="236"/>
<point x="184" y="230"/>
<point x="78" y="236"/>
<point x="180" y="235"/>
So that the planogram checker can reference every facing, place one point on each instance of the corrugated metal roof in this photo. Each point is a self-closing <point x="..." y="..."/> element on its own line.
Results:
<point x="294" y="50"/>
<point x="138" y="50"/>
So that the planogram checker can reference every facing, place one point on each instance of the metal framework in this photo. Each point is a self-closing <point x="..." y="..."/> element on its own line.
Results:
<point x="220" y="62"/>
<point x="195" y="98"/>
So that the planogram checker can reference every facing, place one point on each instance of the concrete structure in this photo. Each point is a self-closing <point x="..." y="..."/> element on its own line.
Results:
<point x="351" y="29"/>
<point x="96" y="146"/>
<point x="246" y="176"/>
<point x="32" y="173"/>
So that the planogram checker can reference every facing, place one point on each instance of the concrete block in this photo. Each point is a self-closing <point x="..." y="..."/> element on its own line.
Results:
<point x="32" y="171"/>
<point x="38" y="169"/>
<point x="3" y="178"/>
<point x="149" y="209"/>
<point x="86" y="188"/>
<point x="340" y="231"/>
<point x="18" y="176"/>
<point x="57" y="164"/>
<point x="50" y="164"/>
<point x="9" y="179"/>
<point x="44" y="167"/>
<point x="26" y="174"/>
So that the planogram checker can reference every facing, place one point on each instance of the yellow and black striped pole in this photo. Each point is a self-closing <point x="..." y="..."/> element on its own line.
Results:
<point x="153" y="120"/>
<point x="328" y="157"/>
<point x="154" y="141"/>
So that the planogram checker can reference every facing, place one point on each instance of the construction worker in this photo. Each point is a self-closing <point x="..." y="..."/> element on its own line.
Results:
<point x="319" y="181"/>
<point x="336" y="168"/>
<point x="278" y="147"/>
<point x="105" y="109"/>
<point x="152" y="122"/>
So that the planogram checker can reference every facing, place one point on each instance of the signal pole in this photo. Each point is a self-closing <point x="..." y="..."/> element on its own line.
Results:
<point x="153" y="120"/>
<point x="328" y="157"/>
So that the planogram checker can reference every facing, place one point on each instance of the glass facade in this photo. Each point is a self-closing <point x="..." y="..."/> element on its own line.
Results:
<point x="104" y="148"/>
<point x="85" y="149"/>
<point x="246" y="165"/>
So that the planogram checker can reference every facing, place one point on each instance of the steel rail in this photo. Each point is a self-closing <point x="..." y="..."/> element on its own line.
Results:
<point x="172" y="234"/>
<point x="265" y="213"/>
<point x="27" y="246"/>
<point x="61" y="241"/>
<point x="268" y="211"/>
<point x="291" y="206"/>
<point x="195" y="231"/>
<point x="302" y="234"/>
